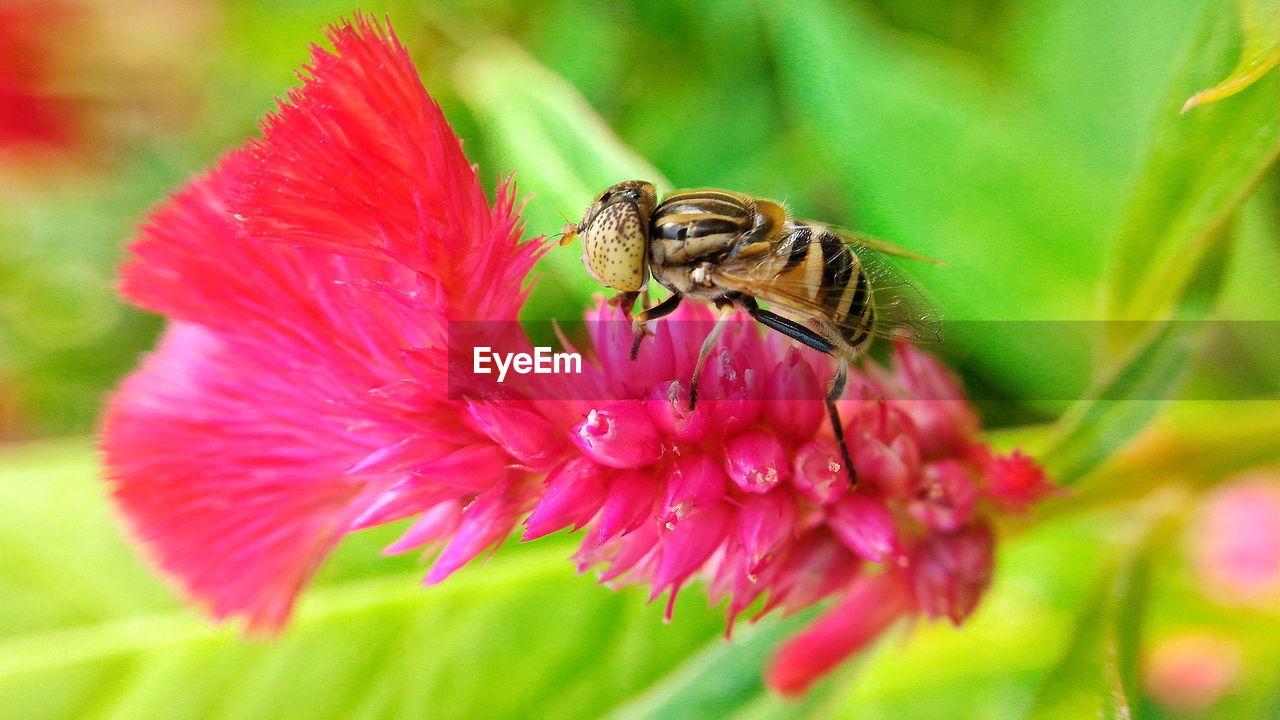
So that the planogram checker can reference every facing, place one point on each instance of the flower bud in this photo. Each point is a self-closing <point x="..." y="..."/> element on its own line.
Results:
<point x="865" y="526"/>
<point x="695" y="482"/>
<point x="793" y="399"/>
<point x="945" y="498"/>
<point x="756" y="461"/>
<point x="819" y="474"/>
<point x="667" y="406"/>
<point x="619" y="435"/>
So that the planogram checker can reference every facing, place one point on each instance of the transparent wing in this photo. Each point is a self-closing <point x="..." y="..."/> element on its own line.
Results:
<point x="884" y="247"/>
<point x="900" y="311"/>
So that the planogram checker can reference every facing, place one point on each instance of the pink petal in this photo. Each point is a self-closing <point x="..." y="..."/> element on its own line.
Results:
<point x="950" y="572"/>
<point x="525" y="435"/>
<point x="730" y="390"/>
<point x="485" y="522"/>
<point x="234" y="481"/>
<point x="765" y="522"/>
<point x="630" y="501"/>
<point x="667" y="405"/>
<point x="686" y="547"/>
<point x="438" y="522"/>
<point x="945" y="499"/>
<point x="575" y="491"/>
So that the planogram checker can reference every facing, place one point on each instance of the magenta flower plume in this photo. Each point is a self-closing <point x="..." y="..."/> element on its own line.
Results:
<point x="299" y="387"/>
<point x="307" y="388"/>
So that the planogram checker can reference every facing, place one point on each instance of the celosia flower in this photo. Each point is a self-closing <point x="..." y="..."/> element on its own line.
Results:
<point x="305" y="390"/>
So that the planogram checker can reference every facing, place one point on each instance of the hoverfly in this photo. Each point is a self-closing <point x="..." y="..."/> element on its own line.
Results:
<point x="832" y="285"/>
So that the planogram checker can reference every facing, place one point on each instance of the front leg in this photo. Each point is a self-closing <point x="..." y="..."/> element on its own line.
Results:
<point x="625" y="301"/>
<point x="662" y="309"/>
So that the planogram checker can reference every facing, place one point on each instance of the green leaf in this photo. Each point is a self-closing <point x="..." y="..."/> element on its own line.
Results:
<point x="562" y="152"/>
<point x="1261" y="23"/>
<point x="86" y="631"/>
<point x="1169" y="259"/>
<point x="723" y="679"/>
<point x="1097" y="676"/>
<point x="1200" y="169"/>
<point x="908" y="129"/>
<point x="1117" y="407"/>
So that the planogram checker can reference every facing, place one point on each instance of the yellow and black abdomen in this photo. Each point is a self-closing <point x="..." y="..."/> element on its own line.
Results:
<point x="822" y="263"/>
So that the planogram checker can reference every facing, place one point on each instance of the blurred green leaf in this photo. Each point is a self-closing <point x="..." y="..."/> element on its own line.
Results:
<point x="1200" y="169"/>
<point x="1123" y="401"/>
<point x="1169" y="263"/>
<point x="1097" y="677"/>
<point x="86" y="631"/>
<point x="723" y="679"/>
<point x="562" y="151"/>
<point x="1117" y="407"/>
<point x="1260" y="20"/>
<point x="936" y="152"/>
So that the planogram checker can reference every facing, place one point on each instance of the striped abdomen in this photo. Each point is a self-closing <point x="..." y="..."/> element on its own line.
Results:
<point x="821" y="261"/>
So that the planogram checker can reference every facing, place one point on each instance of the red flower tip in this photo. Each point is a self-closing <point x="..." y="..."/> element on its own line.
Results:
<point x="1015" y="481"/>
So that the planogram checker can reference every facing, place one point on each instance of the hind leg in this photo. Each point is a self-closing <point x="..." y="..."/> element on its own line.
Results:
<point x="815" y="340"/>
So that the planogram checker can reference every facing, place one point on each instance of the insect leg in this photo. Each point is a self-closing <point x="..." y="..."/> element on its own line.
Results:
<point x="625" y="301"/>
<point x="707" y="344"/>
<point x="662" y="309"/>
<point x="808" y="336"/>
<point x="790" y="328"/>
<point x="837" y="427"/>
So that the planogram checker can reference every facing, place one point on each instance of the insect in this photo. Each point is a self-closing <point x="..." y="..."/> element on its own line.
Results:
<point x="832" y="287"/>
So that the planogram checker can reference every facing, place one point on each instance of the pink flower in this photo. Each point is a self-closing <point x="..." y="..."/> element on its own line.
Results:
<point x="298" y="393"/>
<point x="1235" y="541"/>
<point x="308" y="387"/>
<point x="1191" y="671"/>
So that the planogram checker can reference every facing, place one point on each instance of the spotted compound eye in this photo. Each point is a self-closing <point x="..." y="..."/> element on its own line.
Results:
<point x="614" y="247"/>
